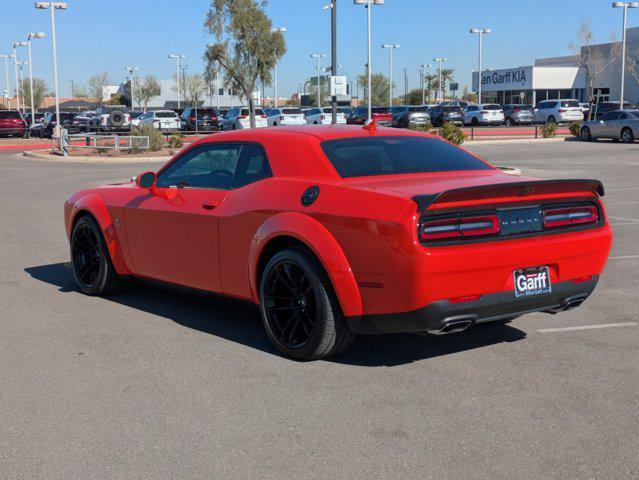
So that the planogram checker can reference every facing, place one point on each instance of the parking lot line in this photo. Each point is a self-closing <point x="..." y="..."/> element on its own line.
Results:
<point x="619" y="203"/>
<point x="624" y="256"/>
<point x="625" y="219"/>
<point x="624" y="223"/>
<point x="588" y="327"/>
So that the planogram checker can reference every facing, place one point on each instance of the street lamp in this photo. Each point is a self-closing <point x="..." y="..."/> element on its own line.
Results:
<point x="52" y="6"/>
<point x="440" y="60"/>
<point x="625" y="6"/>
<point x="21" y="81"/>
<point x="6" y="57"/>
<point x="369" y="69"/>
<point x="480" y="32"/>
<point x="29" y="37"/>
<point x="131" y="70"/>
<point x="390" y="48"/>
<point x="177" y="57"/>
<point x="15" y="70"/>
<point x="423" y="67"/>
<point x="333" y="8"/>
<point x="318" y="57"/>
<point x="276" y="30"/>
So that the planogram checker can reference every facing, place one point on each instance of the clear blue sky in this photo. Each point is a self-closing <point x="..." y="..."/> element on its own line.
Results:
<point x="96" y="35"/>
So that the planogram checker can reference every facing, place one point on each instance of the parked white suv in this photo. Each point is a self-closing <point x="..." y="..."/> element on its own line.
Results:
<point x="484" y="114"/>
<point x="238" y="118"/>
<point x="558" y="111"/>
<point x="323" y="116"/>
<point x="164" y="120"/>
<point x="285" y="116"/>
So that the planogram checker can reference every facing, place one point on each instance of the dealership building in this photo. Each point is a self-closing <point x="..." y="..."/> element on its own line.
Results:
<point x="567" y="77"/>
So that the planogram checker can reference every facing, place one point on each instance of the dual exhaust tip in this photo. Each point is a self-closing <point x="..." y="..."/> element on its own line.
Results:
<point x="455" y="325"/>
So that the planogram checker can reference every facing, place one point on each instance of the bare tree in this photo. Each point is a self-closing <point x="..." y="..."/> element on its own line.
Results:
<point x="193" y="87"/>
<point x="146" y="89"/>
<point x="594" y="60"/>
<point x="39" y="91"/>
<point x="246" y="47"/>
<point x="96" y="85"/>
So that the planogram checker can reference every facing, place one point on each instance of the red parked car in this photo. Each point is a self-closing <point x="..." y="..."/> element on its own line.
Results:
<point x="381" y="115"/>
<point x="337" y="230"/>
<point x="12" y="123"/>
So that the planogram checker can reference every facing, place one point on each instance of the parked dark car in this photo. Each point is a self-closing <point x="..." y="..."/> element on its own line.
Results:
<point x="517" y="114"/>
<point x="602" y="108"/>
<point x="12" y="123"/>
<point x="39" y="118"/>
<point x="440" y="115"/>
<point x="206" y="119"/>
<point x="347" y="111"/>
<point x="45" y="129"/>
<point x="411" y="115"/>
<point x="381" y="115"/>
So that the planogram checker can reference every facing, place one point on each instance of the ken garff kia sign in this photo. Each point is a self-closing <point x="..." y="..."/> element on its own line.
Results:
<point x="506" y="79"/>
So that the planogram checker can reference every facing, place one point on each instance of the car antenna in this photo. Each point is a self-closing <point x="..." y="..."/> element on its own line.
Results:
<point x="371" y="126"/>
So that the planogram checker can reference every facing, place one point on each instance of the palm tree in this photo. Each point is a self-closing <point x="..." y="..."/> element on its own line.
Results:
<point x="430" y="80"/>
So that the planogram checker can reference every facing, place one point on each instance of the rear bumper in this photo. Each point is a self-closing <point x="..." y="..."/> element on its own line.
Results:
<point x="490" y="307"/>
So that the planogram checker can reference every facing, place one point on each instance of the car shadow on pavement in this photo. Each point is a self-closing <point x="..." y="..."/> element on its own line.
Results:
<point x="239" y="321"/>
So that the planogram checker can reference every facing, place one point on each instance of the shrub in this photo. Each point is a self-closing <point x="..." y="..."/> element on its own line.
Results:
<point x="452" y="133"/>
<point x="421" y="128"/>
<point x="175" y="142"/>
<point x="575" y="128"/>
<point x="156" y="139"/>
<point x="548" y="130"/>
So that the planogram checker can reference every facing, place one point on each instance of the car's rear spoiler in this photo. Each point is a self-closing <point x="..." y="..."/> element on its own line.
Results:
<point x="513" y="189"/>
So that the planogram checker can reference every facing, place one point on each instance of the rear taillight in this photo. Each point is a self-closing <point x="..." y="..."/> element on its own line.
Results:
<point x="484" y="111"/>
<point x="568" y="216"/>
<point x="323" y="117"/>
<point x="459" y="227"/>
<point x="562" y="110"/>
<point x="282" y="118"/>
<point x="242" y="117"/>
<point x="192" y="117"/>
<point x="213" y="117"/>
<point x="262" y="116"/>
<point x="517" y="110"/>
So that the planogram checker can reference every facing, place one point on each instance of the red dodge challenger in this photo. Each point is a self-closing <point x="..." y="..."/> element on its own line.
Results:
<point x="339" y="230"/>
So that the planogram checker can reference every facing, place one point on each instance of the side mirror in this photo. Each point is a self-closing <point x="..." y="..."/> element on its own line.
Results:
<point x="146" y="180"/>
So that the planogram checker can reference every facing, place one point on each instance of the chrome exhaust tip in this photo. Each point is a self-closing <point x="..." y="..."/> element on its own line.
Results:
<point x="452" y="326"/>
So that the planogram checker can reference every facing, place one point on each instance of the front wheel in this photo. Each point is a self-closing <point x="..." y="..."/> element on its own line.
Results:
<point x="300" y="312"/>
<point x="586" y="136"/>
<point x="92" y="267"/>
<point x="551" y="119"/>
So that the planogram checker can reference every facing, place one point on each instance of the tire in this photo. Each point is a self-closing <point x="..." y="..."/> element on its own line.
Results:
<point x="551" y="119"/>
<point x="116" y="118"/>
<point x="474" y="122"/>
<point x="92" y="267"/>
<point x="627" y="136"/>
<point x="508" y="122"/>
<point x="586" y="136"/>
<point x="300" y="312"/>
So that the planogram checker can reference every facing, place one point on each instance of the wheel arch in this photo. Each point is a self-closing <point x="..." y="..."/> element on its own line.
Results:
<point x="291" y="229"/>
<point x="93" y="206"/>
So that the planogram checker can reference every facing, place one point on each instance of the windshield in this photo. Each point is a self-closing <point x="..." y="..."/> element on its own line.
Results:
<point x="357" y="157"/>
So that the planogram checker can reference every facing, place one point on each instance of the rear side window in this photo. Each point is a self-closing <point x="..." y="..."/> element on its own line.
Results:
<point x="358" y="157"/>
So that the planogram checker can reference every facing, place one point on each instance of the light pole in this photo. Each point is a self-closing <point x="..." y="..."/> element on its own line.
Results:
<point x="625" y="6"/>
<point x="333" y="7"/>
<point x="21" y="80"/>
<point x="318" y="57"/>
<point x="29" y="37"/>
<point x="131" y="70"/>
<point x="6" y="57"/>
<point x="15" y="70"/>
<point x="390" y="48"/>
<point x="440" y="60"/>
<point x="480" y="32"/>
<point x="183" y="68"/>
<point x="369" y="69"/>
<point x="424" y="66"/>
<point x="405" y="86"/>
<point x="177" y="57"/>
<point x="274" y="30"/>
<point x="52" y="6"/>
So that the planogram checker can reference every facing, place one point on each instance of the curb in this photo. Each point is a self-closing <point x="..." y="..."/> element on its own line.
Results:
<point x="58" y="158"/>
<point x="496" y="141"/>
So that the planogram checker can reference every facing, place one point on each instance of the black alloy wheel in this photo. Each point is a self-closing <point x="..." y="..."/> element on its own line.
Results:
<point x="300" y="312"/>
<point x="92" y="268"/>
<point x="627" y="135"/>
<point x="586" y="136"/>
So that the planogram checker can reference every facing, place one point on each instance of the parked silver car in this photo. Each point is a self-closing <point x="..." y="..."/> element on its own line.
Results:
<point x="619" y="125"/>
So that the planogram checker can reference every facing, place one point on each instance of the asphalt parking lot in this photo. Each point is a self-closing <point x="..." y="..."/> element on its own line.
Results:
<point x="161" y="383"/>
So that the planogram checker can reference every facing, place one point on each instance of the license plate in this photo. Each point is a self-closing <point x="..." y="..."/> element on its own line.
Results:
<point x="532" y="281"/>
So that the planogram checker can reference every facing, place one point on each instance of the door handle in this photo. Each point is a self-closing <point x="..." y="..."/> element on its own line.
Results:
<point x="209" y="206"/>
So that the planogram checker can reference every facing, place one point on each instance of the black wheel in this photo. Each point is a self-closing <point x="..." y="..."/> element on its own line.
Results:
<point x="508" y="122"/>
<point x="551" y="119"/>
<point x="474" y="122"/>
<point x="92" y="267"/>
<point x="586" y="136"/>
<point x="300" y="312"/>
<point x="627" y="136"/>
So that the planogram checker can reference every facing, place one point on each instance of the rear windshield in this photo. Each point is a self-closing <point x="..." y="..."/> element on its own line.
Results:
<point x="165" y="114"/>
<point x="451" y="109"/>
<point x="291" y="111"/>
<point x="418" y="109"/>
<point x="359" y="157"/>
<point x="6" y="115"/>
<point x="258" y="111"/>
<point x="491" y="107"/>
<point x="203" y="111"/>
<point x="381" y="110"/>
<point x="569" y="103"/>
